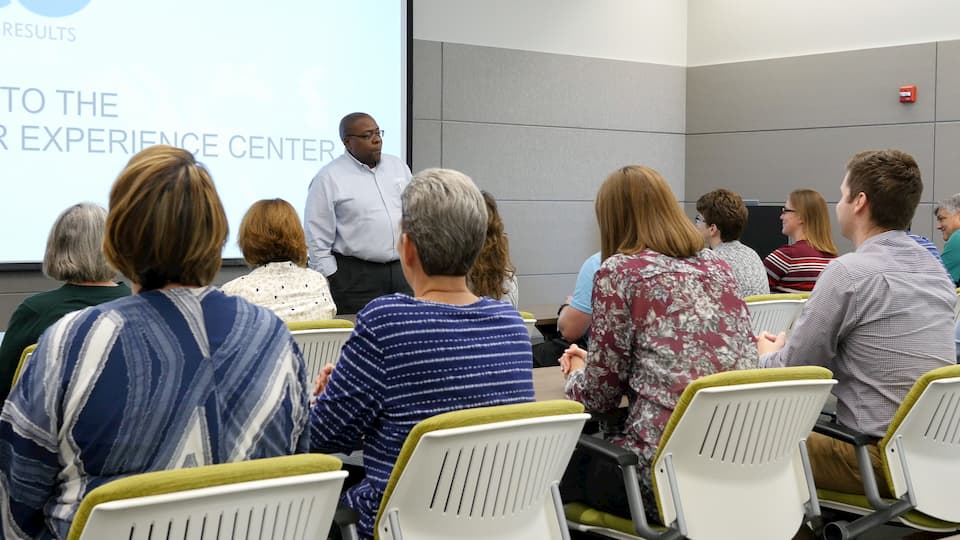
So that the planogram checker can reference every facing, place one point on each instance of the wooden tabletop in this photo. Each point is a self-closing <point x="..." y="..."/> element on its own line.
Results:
<point x="548" y="383"/>
<point x="544" y="313"/>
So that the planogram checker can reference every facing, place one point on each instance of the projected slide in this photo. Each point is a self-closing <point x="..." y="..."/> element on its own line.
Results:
<point x="254" y="89"/>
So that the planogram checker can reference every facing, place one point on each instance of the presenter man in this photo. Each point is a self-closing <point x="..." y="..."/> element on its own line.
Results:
<point x="352" y="217"/>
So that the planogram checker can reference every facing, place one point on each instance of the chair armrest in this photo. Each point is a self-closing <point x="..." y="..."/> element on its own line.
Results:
<point x="608" y="450"/>
<point x="842" y="433"/>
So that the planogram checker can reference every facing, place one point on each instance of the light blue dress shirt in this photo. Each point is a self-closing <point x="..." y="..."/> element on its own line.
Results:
<point x="355" y="211"/>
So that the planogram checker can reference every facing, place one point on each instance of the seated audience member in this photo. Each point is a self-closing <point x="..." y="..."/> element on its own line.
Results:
<point x="721" y="217"/>
<point x="411" y="358"/>
<point x="575" y="316"/>
<point x="177" y="375"/>
<point x="794" y="268"/>
<point x="879" y="317"/>
<point x="75" y="256"/>
<point x="665" y="312"/>
<point x="948" y="222"/>
<point x="926" y="244"/>
<point x="493" y="274"/>
<point x="956" y="341"/>
<point x="271" y="239"/>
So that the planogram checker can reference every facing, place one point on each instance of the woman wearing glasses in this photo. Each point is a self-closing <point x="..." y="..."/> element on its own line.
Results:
<point x="795" y="267"/>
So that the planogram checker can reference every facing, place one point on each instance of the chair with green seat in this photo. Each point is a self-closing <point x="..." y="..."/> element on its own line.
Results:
<point x="530" y="321"/>
<point x="24" y="356"/>
<point x="774" y="313"/>
<point x="921" y="462"/>
<point x="489" y="472"/>
<point x="320" y="341"/>
<point x="731" y="463"/>
<point x="290" y="498"/>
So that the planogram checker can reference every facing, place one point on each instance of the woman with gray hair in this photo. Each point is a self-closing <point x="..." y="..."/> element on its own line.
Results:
<point x="74" y="255"/>
<point x="411" y="358"/>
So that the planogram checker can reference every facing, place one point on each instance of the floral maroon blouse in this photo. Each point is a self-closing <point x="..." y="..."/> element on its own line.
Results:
<point x="659" y="322"/>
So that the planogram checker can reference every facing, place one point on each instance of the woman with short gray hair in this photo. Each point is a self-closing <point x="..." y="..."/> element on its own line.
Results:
<point x="411" y="358"/>
<point x="74" y="255"/>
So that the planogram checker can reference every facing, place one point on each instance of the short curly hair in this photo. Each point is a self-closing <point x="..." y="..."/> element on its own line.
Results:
<point x="271" y="232"/>
<point x="725" y="209"/>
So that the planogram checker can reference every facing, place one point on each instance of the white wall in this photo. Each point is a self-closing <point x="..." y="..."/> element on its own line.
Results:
<point x="653" y="31"/>
<point x="722" y="31"/>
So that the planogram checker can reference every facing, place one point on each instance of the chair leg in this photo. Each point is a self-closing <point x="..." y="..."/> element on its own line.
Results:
<point x="843" y="530"/>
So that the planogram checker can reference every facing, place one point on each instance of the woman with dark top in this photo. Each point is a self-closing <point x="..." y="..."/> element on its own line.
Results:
<point x="74" y="255"/>
<point x="413" y="357"/>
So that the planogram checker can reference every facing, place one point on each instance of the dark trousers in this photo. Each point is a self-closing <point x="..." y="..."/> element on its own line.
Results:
<point x="357" y="282"/>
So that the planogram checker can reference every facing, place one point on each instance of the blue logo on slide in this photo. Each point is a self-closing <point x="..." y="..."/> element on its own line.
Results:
<point x="51" y="8"/>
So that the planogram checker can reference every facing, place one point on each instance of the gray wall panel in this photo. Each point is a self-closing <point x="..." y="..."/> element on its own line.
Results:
<point x="946" y="180"/>
<point x="427" y="150"/>
<point x="768" y="165"/>
<point x="948" y="81"/>
<point x="427" y="85"/>
<point x="547" y="289"/>
<point x="537" y="163"/>
<point x="836" y="89"/>
<point x="549" y="237"/>
<point x="484" y="84"/>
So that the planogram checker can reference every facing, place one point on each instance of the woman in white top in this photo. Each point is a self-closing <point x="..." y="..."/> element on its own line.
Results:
<point x="272" y="241"/>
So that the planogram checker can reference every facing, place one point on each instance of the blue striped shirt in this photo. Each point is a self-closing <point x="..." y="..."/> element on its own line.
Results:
<point x="158" y="380"/>
<point x="406" y="361"/>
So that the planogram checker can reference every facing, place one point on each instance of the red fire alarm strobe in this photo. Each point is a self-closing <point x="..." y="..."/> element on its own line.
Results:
<point x="908" y="94"/>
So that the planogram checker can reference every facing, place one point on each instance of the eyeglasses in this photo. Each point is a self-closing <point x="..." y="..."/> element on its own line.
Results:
<point x="785" y="210"/>
<point x="698" y="219"/>
<point x="369" y="135"/>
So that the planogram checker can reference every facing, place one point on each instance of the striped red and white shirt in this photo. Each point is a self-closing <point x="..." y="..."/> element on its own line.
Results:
<point x="794" y="268"/>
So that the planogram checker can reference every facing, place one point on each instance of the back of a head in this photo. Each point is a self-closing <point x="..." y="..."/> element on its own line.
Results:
<point x="75" y="246"/>
<point x="725" y="209"/>
<point x="271" y="232"/>
<point x="891" y="181"/>
<point x="493" y="267"/>
<point x="166" y="223"/>
<point x="636" y="210"/>
<point x="445" y="217"/>
<point x="812" y="209"/>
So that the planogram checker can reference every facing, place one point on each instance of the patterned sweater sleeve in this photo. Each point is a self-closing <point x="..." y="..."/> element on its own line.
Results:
<point x="776" y="266"/>
<point x="29" y="457"/>
<point x="601" y="385"/>
<point x="350" y="404"/>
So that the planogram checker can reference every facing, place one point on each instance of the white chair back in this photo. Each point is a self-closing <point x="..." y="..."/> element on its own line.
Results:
<point x="291" y="508"/>
<point x="928" y="443"/>
<point x="742" y="447"/>
<point x="774" y="316"/>
<point x="486" y="481"/>
<point x="320" y="346"/>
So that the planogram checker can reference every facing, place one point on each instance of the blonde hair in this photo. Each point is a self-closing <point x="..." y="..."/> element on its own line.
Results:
<point x="812" y="209"/>
<point x="166" y="223"/>
<point x="636" y="210"/>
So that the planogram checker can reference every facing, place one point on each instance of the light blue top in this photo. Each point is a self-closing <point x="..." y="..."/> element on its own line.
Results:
<point x="951" y="256"/>
<point x="582" y="298"/>
<point x="354" y="210"/>
<point x="154" y="381"/>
